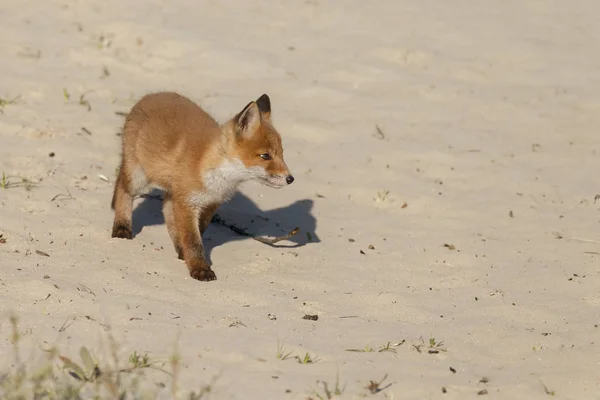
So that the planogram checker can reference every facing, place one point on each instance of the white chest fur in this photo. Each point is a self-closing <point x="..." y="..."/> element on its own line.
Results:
<point x="221" y="183"/>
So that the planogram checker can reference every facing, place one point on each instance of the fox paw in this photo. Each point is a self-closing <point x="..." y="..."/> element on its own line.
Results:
<point x="122" y="231"/>
<point x="206" y="274"/>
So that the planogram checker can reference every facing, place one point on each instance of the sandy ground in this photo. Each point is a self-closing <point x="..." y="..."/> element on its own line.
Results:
<point x="488" y="114"/>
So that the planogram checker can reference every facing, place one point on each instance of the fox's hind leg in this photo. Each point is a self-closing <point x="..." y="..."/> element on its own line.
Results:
<point x="130" y="182"/>
<point x="122" y="203"/>
<point x="206" y="215"/>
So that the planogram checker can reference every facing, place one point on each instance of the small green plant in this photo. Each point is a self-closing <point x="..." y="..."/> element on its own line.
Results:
<point x="382" y="196"/>
<point x="84" y="102"/>
<point x="307" y="359"/>
<point x="367" y="349"/>
<point x="138" y="361"/>
<point x="91" y="372"/>
<point x="436" y="345"/>
<point x="6" y="102"/>
<point x="8" y="182"/>
<point x="548" y="391"/>
<point x="282" y="354"/>
<point x="326" y="393"/>
<point x="433" y="348"/>
<point x="388" y="347"/>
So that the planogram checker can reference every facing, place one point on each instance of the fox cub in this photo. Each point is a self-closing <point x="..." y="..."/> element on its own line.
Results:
<point x="172" y="144"/>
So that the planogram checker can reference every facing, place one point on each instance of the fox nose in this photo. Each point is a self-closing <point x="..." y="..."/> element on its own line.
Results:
<point x="289" y="179"/>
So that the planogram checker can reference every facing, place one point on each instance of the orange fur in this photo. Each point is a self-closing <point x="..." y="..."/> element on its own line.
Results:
<point x="170" y="143"/>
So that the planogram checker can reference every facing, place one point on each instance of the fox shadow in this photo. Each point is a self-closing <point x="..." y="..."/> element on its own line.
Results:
<point x="242" y="213"/>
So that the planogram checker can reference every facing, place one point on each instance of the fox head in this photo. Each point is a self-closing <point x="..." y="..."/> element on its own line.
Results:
<point x="257" y="144"/>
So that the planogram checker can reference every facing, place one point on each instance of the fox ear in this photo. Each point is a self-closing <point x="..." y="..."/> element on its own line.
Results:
<point x="248" y="120"/>
<point x="264" y="105"/>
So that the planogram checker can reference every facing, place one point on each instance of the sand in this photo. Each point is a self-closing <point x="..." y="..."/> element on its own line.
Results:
<point x="446" y="156"/>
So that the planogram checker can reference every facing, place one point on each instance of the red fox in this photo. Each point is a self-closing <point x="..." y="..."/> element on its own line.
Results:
<point x="172" y="144"/>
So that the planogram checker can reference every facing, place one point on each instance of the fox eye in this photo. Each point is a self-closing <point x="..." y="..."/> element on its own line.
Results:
<point x="265" y="156"/>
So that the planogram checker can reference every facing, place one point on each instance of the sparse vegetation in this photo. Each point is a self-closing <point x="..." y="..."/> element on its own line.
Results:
<point x="4" y="102"/>
<point x="307" y="359"/>
<point x="367" y="349"/>
<point x="382" y="196"/>
<point x="282" y="353"/>
<point x="434" y="346"/>
<point x="82" y="100"/>
<point x="8" y="182"/>
<point x="548" y="391"/>
<point x="61" y="377"/>
<point x="388" y="347"/>
<point x="325" y="393"/>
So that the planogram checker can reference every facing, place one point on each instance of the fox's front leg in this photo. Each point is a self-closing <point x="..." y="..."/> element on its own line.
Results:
<point x="190" y="241"/>
<point x="171" y="227"/>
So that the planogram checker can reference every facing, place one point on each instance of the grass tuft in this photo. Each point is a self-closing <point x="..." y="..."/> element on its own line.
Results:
<point x="325" y="392"/>
<point x="282" y="353"/>
<point x="66" y="378"/>
<point x="8" y="182"/>
<point x="5" y="102"/>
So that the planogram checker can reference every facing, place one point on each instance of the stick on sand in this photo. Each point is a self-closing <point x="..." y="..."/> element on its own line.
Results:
<point x="218" y="220"/>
